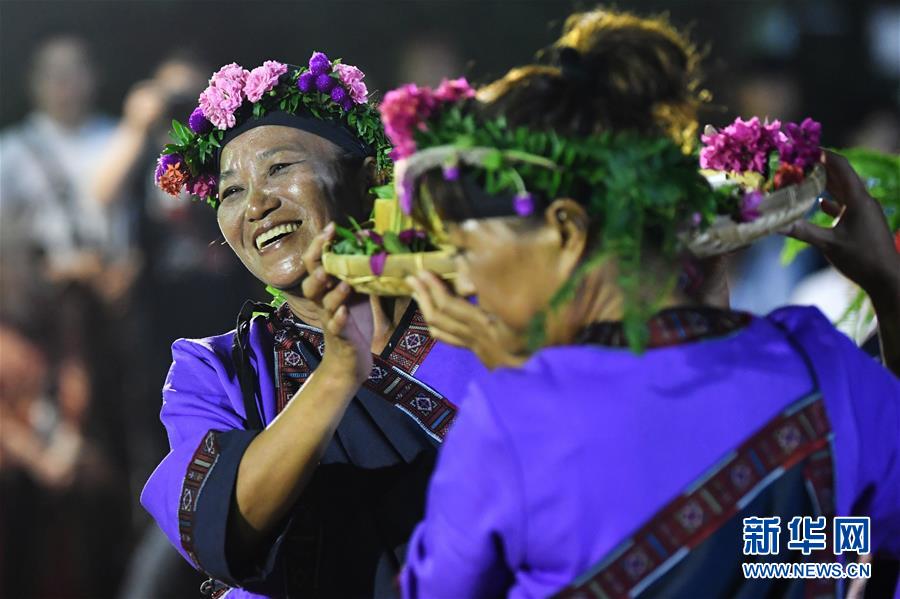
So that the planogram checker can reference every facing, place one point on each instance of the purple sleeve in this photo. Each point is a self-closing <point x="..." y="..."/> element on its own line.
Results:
<point x="190" y="492"/>
<point x="875" y="406"/>
<point x="862" y="399"/>
<point x="474" y="520"/>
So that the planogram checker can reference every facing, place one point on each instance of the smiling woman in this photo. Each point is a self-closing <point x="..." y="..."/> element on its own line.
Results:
<point x="302" y="442"/>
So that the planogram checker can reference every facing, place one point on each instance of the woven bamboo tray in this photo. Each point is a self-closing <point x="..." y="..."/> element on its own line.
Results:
<point x="777" y="210"/>
<point x="356" y="271"/>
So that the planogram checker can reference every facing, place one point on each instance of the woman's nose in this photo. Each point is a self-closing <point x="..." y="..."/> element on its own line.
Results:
<point x="262" y="203"/>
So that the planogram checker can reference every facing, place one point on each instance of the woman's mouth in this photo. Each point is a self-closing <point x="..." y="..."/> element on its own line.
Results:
<point x="268" y="238"/>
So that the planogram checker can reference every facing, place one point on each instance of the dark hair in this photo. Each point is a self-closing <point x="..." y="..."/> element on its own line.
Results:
<point x="609" y="71"/>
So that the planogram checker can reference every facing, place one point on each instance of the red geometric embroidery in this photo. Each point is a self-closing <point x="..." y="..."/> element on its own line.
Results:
<point x="391" y="378"/>
<point x="199" y="467"/>
<point x="801" y="433"/>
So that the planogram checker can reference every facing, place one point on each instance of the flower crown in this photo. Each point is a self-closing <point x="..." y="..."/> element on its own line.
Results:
<point x="634" y="183"/>
<point x="327" y="90"/>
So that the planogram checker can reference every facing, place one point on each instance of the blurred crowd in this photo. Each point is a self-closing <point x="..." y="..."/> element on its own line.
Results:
<point x="100" y="272"/>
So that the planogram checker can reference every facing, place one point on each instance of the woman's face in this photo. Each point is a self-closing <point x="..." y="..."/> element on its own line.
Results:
<point x="514" y="270"/>
<point x="278" y="188"/>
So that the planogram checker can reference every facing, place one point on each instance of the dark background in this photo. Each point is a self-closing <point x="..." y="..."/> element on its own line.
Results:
<point x="828" y="46"/>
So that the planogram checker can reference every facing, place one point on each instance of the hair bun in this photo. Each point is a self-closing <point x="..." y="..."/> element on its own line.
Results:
<point x="613" y="71"/>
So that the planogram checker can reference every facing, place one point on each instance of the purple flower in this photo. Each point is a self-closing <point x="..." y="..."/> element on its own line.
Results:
<point x="319" y="64"/>
<point x="338" y="94"/>
<point x="800" y="143"/>
<point x="451" y="172"/>
<point x="376" y="262"/>
<point x="750" y="206"/>
<point x="198" y="122"/>
<point x="523" y="204"/>
<point x="407" y="236"/>
<point x="742" y="146"/>
<point x="347" y="104"/>
<point x="306" y="82"/>
<point x="324" y="83"/>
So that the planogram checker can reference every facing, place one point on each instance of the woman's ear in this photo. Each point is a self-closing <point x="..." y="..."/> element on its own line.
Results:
<point x="571" y="222"/>
<point x="370" y="172"/>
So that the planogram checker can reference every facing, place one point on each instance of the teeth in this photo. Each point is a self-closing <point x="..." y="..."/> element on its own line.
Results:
<point x="275" y="232"/>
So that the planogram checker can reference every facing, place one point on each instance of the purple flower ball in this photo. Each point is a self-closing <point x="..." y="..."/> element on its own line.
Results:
<point x="307" y="82"/>
<point x="324" y="83"/>
<point x="319" y="64"/>
<point x="198" y="122"/>
<point x="451" y="172"/>
<point x="347" y="104"/>
<point x="523" y="204"/>
<point x="338" y="94"/>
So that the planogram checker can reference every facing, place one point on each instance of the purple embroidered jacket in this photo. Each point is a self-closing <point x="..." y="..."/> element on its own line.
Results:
<point x="370" y="485"/>
<point x="560" y="464"/>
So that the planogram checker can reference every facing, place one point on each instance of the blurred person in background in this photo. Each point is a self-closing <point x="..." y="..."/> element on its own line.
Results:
<point x="48" y="210"/>
<point x="62" y="449"/>
<point x="189" y="285"/>
<point x="67" y="269"/>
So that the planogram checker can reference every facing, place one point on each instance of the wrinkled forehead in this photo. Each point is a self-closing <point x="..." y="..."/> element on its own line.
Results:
<point x="262" y="143"/>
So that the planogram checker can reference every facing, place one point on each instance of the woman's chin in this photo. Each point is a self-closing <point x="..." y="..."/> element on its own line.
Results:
<point x="288" y="283"/>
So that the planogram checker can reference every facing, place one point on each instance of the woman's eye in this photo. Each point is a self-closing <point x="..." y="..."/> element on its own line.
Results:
<point x="278" y="167"/>
<point x="231" y="190"/>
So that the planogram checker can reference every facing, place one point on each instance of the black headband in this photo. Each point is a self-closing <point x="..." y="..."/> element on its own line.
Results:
<point x="333" y="131"/>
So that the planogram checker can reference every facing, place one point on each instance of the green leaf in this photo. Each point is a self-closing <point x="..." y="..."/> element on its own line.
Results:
<point x="393" y="245"/>
<point x="384" y="191"/>
<point x="493" y="160"/>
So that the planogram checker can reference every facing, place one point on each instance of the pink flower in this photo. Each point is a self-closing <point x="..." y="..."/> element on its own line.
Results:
<point x="742" y="146"/>
<point x="202" y="186"/>
<point x="224" y="95"/>
<point x="403" y="110"/>
<point x="262" y="79"/>
<point x="453" y="90"/>
<point x="352" y="78"/>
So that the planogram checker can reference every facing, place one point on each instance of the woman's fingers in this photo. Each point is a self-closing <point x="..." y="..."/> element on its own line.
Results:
<point x="312" y="257"/>
<point x="843" y="183"/>
<point x="448" y="338"/>
<point x="422" y="297"/>
<point x="335" y="325"/>
<point x="814" y="235"/>
<point x="334" y="299"/>
<point x="316" y="284"/>
<point x="830" y="207"/>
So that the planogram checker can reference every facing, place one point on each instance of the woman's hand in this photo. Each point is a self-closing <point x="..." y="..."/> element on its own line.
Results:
<point x="454" y="320"/>
<point x="859" y="245"/>
<point x="347" y="344"/>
